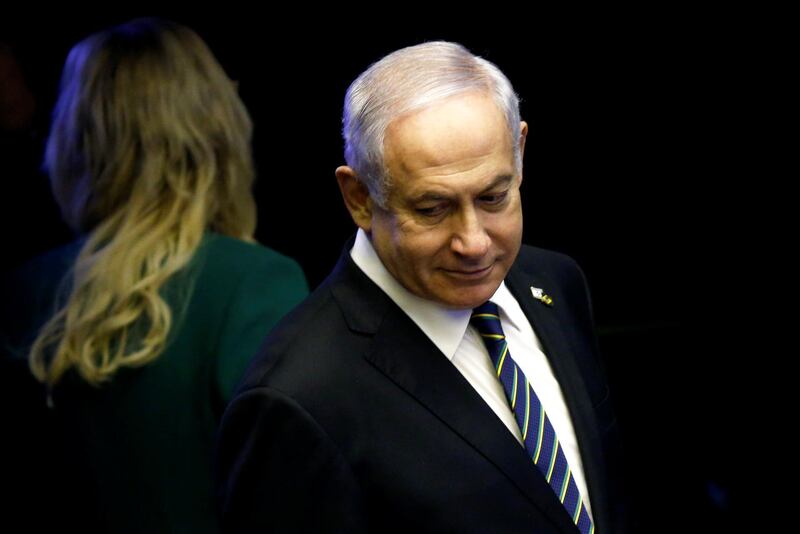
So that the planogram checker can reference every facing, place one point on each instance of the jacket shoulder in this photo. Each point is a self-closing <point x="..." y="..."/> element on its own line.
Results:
<point x="553" y="265"/>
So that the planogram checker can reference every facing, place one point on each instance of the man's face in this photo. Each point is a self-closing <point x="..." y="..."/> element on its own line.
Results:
<point x="452" y="226"/>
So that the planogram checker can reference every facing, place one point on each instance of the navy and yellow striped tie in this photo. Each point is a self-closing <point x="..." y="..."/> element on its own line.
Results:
<point x="538" y="435"/>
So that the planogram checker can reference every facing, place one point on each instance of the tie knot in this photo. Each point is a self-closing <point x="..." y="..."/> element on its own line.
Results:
<point x="487" y="308"/>
<point x="486" y="319"/>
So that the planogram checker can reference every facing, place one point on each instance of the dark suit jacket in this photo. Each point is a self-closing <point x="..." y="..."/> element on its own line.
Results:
<point x="351" y="420"/>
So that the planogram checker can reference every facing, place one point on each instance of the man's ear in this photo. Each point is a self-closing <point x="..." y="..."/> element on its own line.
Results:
<point x="523" y="134"/>
<point x="356" y="197"/>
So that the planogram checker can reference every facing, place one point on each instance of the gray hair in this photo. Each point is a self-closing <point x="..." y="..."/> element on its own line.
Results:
<point x="409" y="80"/>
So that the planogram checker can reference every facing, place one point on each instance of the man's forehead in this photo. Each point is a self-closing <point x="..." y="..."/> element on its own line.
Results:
<point x="450" y="133"/>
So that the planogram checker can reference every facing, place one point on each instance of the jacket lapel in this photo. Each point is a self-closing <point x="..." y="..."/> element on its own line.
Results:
<point x="402" y="352"/>
<point x="553" y="330"/>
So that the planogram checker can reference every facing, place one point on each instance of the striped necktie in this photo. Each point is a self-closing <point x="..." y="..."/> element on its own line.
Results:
<point x="538" y="435"/>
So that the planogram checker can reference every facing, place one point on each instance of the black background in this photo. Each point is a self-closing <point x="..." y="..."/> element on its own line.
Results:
<point x="638" y="163"/>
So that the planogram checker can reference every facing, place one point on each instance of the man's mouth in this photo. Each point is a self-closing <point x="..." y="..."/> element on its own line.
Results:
<point x="470" y="273"/>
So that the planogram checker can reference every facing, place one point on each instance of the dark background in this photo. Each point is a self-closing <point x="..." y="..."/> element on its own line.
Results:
<point x="640" y="131"/>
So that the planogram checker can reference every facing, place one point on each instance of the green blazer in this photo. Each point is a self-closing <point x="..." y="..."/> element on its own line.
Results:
<point x="135" y="455"/>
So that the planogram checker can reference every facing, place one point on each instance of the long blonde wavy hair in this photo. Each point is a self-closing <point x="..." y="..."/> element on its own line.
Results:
<point x="149" y="148"/>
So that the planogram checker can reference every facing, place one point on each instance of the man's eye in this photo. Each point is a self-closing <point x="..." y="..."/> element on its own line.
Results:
<point x="495" y="198"/>
<point x="431" y="211"/>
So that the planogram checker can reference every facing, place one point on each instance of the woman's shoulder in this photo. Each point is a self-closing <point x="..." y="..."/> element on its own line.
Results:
<point x="225" y="258"/>
<point x="46" y="264"/>
<point x="41" y="276"/>
<point x="31" y="291"/>
<point x="231" y="253"/>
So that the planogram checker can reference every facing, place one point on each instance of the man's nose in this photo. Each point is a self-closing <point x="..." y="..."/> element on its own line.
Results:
<point x="469" y="236"/>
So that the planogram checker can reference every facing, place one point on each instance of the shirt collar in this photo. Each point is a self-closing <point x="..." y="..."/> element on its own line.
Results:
<point x="509" y="307"/>
<point x="445" y="327"/>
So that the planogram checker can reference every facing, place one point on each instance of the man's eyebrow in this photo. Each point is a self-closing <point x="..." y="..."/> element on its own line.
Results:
<point x="429" y="195"/>
<point x="499" y="181"/>
<point x="503" y="179"/>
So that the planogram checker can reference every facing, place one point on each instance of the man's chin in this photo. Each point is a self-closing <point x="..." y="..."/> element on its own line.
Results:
<point x="463" y="298"/>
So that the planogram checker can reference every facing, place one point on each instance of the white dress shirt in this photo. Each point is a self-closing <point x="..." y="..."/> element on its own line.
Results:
<point x="452" y="334"/>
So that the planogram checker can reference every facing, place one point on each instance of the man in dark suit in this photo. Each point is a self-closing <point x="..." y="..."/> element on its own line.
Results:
<point x="444" y="378"/>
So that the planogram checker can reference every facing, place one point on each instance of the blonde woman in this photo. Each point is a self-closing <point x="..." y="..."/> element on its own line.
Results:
<point x="140" y="330"/>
